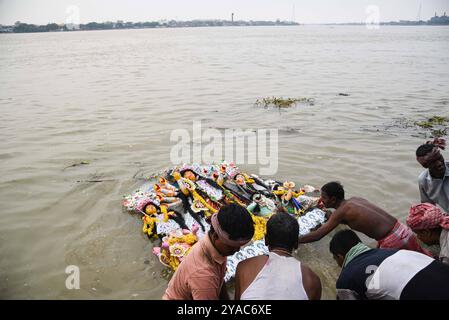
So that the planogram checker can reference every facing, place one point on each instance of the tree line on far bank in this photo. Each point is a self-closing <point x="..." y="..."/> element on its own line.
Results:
<point x="20" y="27"/>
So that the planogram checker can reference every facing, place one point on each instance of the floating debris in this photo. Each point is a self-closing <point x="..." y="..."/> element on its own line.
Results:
<point x="438" y="133"/>
<point x="437" y="125"/>
<point x="344" y="94"/>
<point x="95" y="180"/>
<point x="282" y="103"/>
<point x="433" y="127"/>
<point x="77" y="164"/>
<point x="431" y="122"/>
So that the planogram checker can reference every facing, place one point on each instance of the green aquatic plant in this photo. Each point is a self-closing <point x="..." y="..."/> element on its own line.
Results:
<point x="282" y="103"/>
<point x="433" y="121"/>
<point x="438" y="133"/>
<point x="431" y="127"/>
<point x="437" y="125"/>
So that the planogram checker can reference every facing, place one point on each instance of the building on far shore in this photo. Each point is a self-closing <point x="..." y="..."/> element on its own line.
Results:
<point x="6" y="29"/>
<point x="443" y="20"/>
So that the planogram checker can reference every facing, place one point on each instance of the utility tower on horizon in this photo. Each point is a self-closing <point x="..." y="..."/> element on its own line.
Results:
<point x="418" y="17"/>
<point x="293" y="13"/>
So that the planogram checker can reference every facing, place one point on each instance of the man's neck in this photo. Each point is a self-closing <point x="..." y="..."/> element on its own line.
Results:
<point x="339" y="203"/>
<point x="437" y="175"/>
<point x="212" y="240"/>
<point x="281" y="251"/>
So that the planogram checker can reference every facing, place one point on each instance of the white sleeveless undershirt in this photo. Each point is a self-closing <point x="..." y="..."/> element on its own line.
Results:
<point x="279" y="279"/>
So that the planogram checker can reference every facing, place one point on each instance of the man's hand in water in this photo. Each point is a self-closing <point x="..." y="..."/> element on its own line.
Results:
<point x="333" y="221"/>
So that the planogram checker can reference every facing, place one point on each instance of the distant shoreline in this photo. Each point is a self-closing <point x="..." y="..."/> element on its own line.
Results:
<point x="20" y="27"/>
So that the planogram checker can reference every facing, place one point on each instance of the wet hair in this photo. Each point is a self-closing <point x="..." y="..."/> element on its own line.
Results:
<point x="282" y="231"/>
<point x="236" y="221"/>
<point x="334" y="189"/>
<point x="424" y="149"/>
<point x="343" y="241"/>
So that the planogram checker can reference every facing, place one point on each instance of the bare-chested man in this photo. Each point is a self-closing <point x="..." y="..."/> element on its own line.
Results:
<point x="361" y="215"/>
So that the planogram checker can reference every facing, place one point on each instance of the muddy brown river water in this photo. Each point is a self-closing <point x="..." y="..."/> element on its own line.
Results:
<point x="112" y="99"/>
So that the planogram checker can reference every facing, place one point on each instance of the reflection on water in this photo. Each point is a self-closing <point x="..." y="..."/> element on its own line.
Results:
<point x="112" y="98"/>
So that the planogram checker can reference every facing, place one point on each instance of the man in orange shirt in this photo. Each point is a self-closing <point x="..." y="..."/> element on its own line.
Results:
<point x="200" y="276"/>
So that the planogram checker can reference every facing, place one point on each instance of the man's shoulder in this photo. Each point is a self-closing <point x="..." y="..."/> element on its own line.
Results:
<point x="250" y="262"/>
<point x="423" y="176"/>
<point x="349" y="204"/>
<point x="308" y="273"/>
<point x="353" y="201"/>
<point x="196" y="261"/>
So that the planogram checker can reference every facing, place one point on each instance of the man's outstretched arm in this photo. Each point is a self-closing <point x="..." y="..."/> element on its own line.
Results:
<point x="316" y="235"/>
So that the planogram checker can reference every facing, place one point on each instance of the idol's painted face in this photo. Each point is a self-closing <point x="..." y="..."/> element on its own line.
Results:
<point x="150" y="209"/>
<point x="190" y="175"/>
<point x="240" y="179"/>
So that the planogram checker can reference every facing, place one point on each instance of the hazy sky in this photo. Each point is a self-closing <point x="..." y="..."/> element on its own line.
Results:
<point x="310" y="11"/>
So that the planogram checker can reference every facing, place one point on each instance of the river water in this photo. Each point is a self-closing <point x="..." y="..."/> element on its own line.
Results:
<point x="112" y="99"/>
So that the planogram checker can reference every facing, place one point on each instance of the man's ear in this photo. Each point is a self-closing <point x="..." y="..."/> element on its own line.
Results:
<point x="267" y="241"/>
<point x="341" y="259"/>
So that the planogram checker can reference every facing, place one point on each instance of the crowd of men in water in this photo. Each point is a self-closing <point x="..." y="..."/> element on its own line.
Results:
<point x="399" y="268"/>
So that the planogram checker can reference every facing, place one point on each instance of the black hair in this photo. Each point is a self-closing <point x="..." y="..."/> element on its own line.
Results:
<point x="181" y="172"/>
<point x="282" y="231"/>
<point x="179" y="219"/>
<point x="239" y="196"/>
<point x="236" y="221"/>
<point x="424" y="149"/>
<point x="212" y="183"/>
<point x="260" y="182"/>
<point x="334" y="189"/>
<point x="343" y="241"/>
<point x="186" y="206"/>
